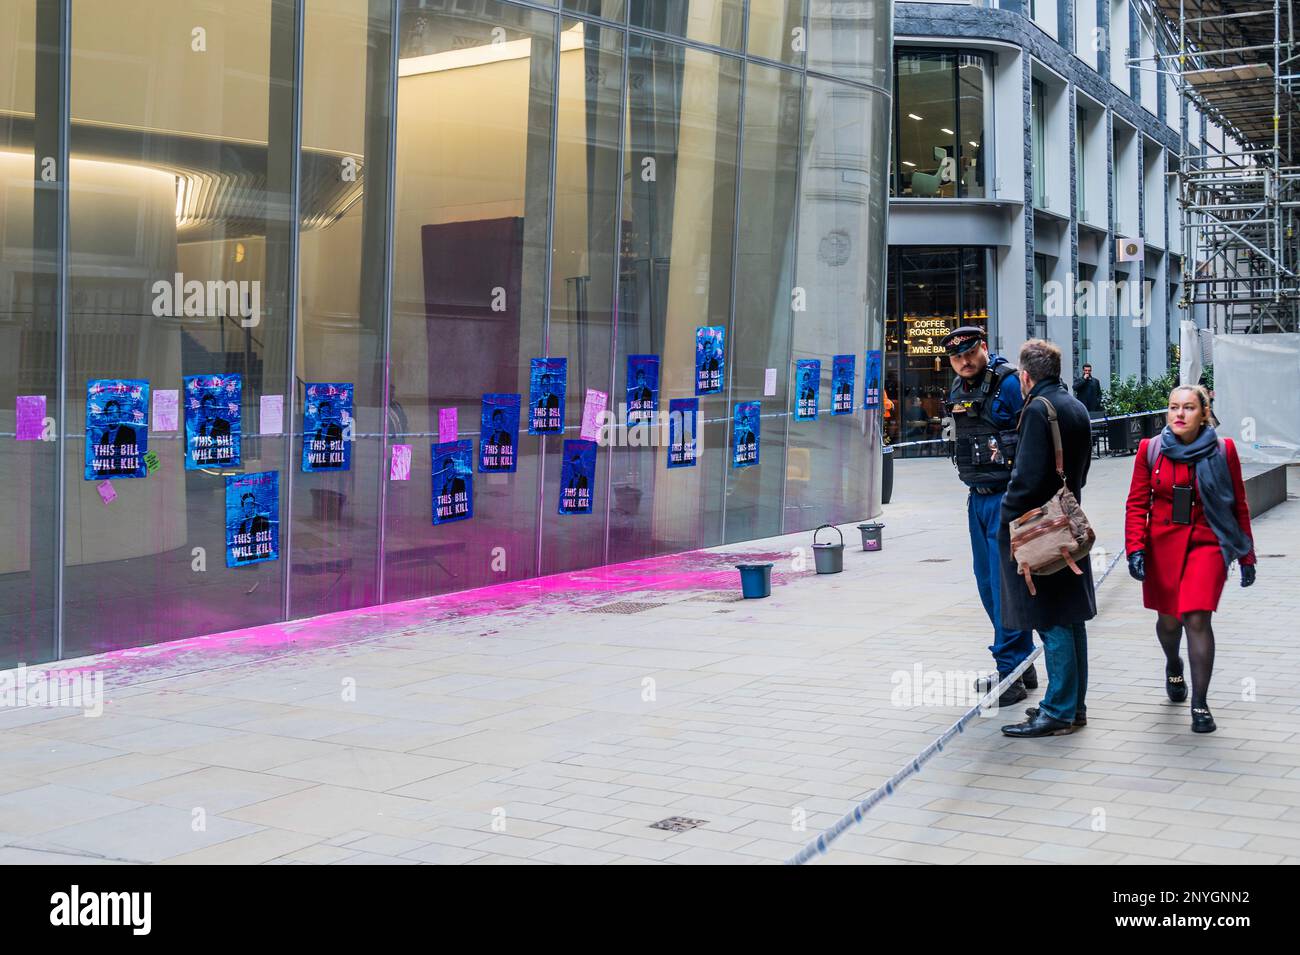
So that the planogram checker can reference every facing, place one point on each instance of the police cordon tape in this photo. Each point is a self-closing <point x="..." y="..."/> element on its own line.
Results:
<point x="821" y="845"/>
<point x="1102" y="420"/>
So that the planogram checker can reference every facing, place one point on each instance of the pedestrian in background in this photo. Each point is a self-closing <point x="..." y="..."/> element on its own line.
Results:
<point x="1065" y="599"/>
<point x="1088" y="390"/>
<point x="1186" y="521"/>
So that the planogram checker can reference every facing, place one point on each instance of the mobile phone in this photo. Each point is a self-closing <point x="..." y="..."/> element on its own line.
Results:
<point x="1182" y="504"/>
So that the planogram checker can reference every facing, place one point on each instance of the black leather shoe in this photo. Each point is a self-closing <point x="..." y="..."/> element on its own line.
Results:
<point x="1040" y="725"/>
<point x="1013" y="694"/>
<point x="1202" y="721"/>
<point x="1030" y="677"/>
<point x="1175" y="685"/>
<point x="1032" y="712"/>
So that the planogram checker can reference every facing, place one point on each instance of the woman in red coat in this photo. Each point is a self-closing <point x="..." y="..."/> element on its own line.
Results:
<point x="1186" y="521"/>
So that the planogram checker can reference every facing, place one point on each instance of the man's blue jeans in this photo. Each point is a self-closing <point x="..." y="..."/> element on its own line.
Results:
<point x="983" y="513"/>
<point x="1066" y="650"/>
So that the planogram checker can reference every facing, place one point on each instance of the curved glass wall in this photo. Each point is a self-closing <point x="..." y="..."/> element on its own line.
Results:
<point x="261" y="261"/>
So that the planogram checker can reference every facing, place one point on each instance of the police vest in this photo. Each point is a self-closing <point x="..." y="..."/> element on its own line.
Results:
<point x="982" y="451"/>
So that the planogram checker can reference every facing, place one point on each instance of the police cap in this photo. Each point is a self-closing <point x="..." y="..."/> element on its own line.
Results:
<point x="962" y="339"/>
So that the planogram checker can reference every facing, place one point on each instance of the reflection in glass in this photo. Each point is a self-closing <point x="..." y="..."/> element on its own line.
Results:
<point x="469" y="264"/>
<point x="674" y="276"/>
<point x="583" y="274"/>
<point x="764" y="274"/>
<point x="341" y="271"/>
<point x="28" y="334"/>
<point x="972" y="83"/>
<point x="776" y="30"/>
<point x="841" y="253"/>
<point x="184" y="180"/>
<point x="851" y="39"/>
<point x="720" y="22"/>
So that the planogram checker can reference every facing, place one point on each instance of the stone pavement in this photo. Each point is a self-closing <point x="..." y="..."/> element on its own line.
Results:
<point x="532" y="724"/>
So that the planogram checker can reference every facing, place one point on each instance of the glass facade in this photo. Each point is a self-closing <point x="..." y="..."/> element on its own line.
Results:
<point x="320" y="233"/>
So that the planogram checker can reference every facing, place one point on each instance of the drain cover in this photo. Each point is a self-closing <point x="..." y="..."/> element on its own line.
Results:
<point x="1270" y="555"/>
<point x="624" y="606"/>
<point x="677" y="823"/>
<point x="717" y="596"/>
<point x="936" y="560"/>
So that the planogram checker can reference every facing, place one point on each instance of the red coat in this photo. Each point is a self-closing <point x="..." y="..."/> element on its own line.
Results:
<point x="1184" y="565"/>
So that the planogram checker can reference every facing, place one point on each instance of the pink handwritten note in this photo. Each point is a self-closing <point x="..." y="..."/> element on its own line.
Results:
<point x="31" y="417"/>
<point x="164" y="411"/>
<point x="400" y="470"/>
<point x="448" y="425"/>
<point x="592" y="409"/>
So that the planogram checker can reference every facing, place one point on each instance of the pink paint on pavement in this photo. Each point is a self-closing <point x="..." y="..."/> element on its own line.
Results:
<point x="534" y="597"/>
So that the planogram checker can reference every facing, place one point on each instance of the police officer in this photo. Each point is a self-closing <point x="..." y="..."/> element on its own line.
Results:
<point x="985" y="404"/>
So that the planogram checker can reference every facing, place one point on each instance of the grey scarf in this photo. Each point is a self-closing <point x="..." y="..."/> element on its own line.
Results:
<point x="1214" y="486"/>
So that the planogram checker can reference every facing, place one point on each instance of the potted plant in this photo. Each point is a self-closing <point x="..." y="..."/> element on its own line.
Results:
<point x="1123" y="398"/>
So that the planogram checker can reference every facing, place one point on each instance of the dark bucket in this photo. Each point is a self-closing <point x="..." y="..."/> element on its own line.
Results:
<point x="755" y="580"/>
<point x="871" y="535"/>
<point x="829" y="558"/>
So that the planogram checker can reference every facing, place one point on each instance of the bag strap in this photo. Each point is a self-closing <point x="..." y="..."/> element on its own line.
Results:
<point x="1056" y="436"/>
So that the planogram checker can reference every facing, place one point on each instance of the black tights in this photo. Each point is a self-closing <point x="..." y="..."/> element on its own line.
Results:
<point x="1200" y="648"/>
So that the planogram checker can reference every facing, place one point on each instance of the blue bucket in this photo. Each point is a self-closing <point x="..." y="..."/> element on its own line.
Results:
<point x="755" y="580"/>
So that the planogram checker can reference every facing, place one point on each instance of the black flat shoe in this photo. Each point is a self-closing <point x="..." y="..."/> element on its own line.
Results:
<point x="1175" y="685"/>
<point x="1202" y="721"/>
<point x="1030" y="676"/>
<point x="1078" y="720"/>
<point x="1040" y="725"/>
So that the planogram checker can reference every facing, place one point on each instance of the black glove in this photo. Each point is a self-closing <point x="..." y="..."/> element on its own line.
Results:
<point x="1137" y="565"/>
<point x="1247" y="574"/>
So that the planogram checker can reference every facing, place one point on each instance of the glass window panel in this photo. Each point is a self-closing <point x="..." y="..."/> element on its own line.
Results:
<point x="720" y="22"/>
<point x="841" y="253"/>
<point x="180" y="176"/>
<point x="340" y="340"/>
<point x="972" y="82"/>
<point x="609" y="9"/>
<point x="764" y="277"/>
<point x="851" y="39"/>
<point x="469" y="262"/>
<point x="776" y="30"/>
<point x="927" y="126"/>
<point x="682" y="124"/>
<point x="584" y="262"/>
<point x="28" y="331"/>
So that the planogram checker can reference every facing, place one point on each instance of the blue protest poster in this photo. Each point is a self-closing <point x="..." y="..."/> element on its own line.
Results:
<point x="842" y="372"/>
<point x="744" y="434"/>
<point x="642" y="388"/>
<point x="547" y="382"/>
<point x="117" y="428"/>
<point x="453" y="481"/>
<point x="683" y="413"/>
<point x="577" y="475"/>
<point x="807" y="387"/>
<point x="710" y="359"/>
<point x="871" y="383"/>
<point x="212" y="421"/>
<point x="326" y="416"/>
<point x="498" y="433"/>
<point x="252" y="518"/>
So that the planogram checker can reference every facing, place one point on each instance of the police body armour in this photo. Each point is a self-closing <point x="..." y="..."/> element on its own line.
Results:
<point x="982" y="452"/>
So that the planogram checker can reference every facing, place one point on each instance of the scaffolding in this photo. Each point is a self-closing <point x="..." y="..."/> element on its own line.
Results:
<point x="1235" y="63"/>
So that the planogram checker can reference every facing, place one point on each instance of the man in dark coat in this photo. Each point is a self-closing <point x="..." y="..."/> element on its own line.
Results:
<point x="1064" y="600"/>
<point x="1088" y="390"/>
